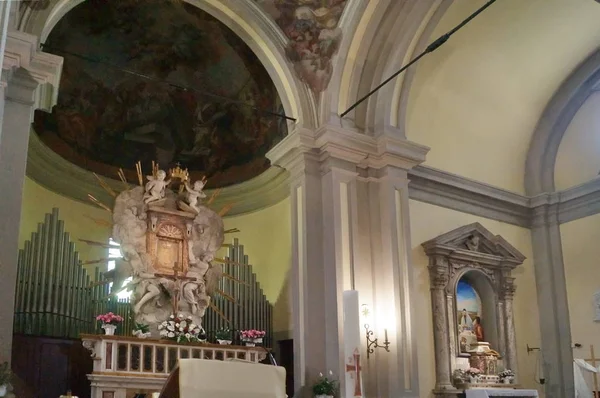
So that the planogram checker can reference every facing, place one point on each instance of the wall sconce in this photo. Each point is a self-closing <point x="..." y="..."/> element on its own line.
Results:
<point x="539" y="377"/>
<point x="372" y="343"/>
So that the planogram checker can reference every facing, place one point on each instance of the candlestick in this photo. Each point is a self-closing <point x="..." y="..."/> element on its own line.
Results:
<point x="385" y="332"/>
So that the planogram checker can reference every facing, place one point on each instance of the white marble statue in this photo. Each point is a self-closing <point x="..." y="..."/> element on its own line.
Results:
<point x="155" y="187"/>
<point x="195" y="193"/>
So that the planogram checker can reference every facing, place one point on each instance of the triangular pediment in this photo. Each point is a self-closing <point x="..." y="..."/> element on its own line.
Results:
<point x="475" y="238"/>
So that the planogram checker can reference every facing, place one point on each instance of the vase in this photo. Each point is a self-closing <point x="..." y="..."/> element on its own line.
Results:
<point x="249" y="343"/>
<point x="258" y="340"/>
<point x="473" y="379"/>
<point x="507" y="380"/>
<point x="224" y="342"/>
<point x="109" y="329"/>
<point x="3" y="390"/>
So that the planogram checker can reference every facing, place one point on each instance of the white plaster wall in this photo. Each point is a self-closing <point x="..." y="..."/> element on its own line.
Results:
<point x="578" y="157"/>
<point x="477" y="99"/>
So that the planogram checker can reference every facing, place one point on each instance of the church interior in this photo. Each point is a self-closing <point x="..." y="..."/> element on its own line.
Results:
<point x="382" y="198"/>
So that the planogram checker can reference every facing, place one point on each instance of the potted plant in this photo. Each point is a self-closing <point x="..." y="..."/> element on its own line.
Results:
<point x="5" y="376"/>
<point x="109" y="322"/>
<point x="459" y="376"/>
<point x="473" y="374"/>
<point x="181" y="329"/>
<point x="507" y="376"/>
<point x="223" y="336"/>
<point x="141" y="330"/>
<point x="252" y="337"/>
<point x="325" y="387"/>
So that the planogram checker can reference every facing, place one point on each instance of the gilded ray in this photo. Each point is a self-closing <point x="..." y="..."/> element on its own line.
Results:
<point x="99" y="221"/>
<point x="140" y="175"/>
<point x="214" y="307"/>
<point x="94" y="243"/>
<point x="235" y="279"/>
<point x="98" y="203"/>
<point x="231" y="231"/>
<point x="100" y="260"/>
<point x="226" y="261"/>
<point x="214" y="195"/>
<point x="123" y="179"/>
<point x="225" y="209"/>
<point x="104" y="185"/>
<point x="227" y="296"/>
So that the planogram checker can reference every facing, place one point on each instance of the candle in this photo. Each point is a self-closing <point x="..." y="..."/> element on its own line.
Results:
<point x="386" y="339"/>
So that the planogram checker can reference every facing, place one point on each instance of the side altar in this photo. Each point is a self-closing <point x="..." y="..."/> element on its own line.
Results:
<point x="472" y="291"/>
<point x="124" y="366"/>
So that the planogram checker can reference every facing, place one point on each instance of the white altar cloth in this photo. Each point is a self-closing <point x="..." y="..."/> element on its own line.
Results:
<point x="200" y="378"/>
<point x="499" y="392"/>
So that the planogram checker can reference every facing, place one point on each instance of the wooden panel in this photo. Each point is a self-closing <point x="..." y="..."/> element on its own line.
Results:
<point x="48" y="367"/>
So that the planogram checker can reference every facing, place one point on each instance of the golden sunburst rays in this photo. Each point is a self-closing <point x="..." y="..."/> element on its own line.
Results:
<point x="98" y="203"/>
<point x="123" y="179"/>
<point x="231" y="231"/>
<point x="225" y="209"/>
<point x="233" y="278"/>
<point x="213" y="196"/>
<point x="100" y="260"/>
<point x="99" y="221"/>
<point x="104" y="185"/>
<point x="94" y="243"/>
<point x="140" y="175"/>
<point x="218" y="311"/>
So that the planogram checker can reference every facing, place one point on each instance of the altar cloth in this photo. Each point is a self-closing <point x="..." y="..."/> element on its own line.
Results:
<point x="499" y="392"/>
<point x="229" y="379"/>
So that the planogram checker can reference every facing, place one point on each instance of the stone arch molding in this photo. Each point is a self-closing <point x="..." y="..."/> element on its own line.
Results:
<point x="470" y="248"/>
<point x="551" y="127"/>
<point x="379" y="38"/>
<point x="267" y="41"/>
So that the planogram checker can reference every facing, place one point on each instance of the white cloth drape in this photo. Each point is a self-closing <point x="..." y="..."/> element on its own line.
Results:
<point x="582" y="390"/>
<point x="229" y="379"/>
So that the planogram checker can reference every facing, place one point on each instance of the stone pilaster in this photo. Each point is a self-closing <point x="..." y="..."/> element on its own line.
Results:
<point x="438" y="276"/>
<point x="507" y="293"/>
<point x="27" y="78"/>
<point x="330" y="170"/>
<point x="552" y="299"/>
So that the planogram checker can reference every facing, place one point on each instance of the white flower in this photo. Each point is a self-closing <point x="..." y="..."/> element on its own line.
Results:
<point x="330" y="373"/>
<point x="170" y="327"/>
<point x="183" y="324"/>
<point x="172" y="317"/>
<point x="320" y="374"/>
<point x="177" y="325"/>
<point x="171" y="334"/>
<point x="187" y="335"/>
<point x="163" y="333"/>
<point x="180" y="316"/>
<point x="193" y="325"/>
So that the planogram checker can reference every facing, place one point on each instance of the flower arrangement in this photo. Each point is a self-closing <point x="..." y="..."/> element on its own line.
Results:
<point x="109" y="319"/>
<point x="141" y="330"/>
<point x="459" y="375"/>
<point x="181" y="329"/>
<point x="472" y="372"/>
<point x="506" y="374"/>
<point x="223" y="334"/>
<point x="252" y="334"/>
<point x="325" y="386"/>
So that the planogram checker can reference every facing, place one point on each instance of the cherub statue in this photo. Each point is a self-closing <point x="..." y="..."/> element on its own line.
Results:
<point x="155" y="187"/>
<point x="194" y="193"/>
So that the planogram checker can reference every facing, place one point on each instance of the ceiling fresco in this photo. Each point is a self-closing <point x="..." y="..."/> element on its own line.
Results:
<point x="312" y="27"/>
<point x="134" y="87"/>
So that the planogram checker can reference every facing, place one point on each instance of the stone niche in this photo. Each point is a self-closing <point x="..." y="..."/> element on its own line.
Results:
<point x="470" y="273"/>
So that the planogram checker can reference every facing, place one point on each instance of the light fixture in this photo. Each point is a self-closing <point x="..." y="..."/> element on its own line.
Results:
<point x="372" y="343"/>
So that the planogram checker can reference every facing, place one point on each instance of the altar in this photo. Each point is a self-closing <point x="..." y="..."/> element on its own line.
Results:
<point x="124" y="366"/>
<point x="499" y="392"/>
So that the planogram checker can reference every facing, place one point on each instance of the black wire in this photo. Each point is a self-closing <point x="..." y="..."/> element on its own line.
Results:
<point x="430" y="48"/>
<point x="141" y="75"/>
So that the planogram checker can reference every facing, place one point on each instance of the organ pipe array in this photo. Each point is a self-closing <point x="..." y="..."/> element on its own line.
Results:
<point x="56" y="297"/>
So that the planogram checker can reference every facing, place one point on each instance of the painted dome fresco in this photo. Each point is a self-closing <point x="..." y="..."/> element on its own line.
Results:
<point x="159" y="81"/>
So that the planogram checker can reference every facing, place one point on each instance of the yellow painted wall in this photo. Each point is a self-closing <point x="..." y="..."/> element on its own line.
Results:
<point x="427" y="222"/>
<point x="477" y="99"/>
<point x="578" y="157"/>
<point x="37" y="201"/>
<point x="581" y="253"/>
<point x="266" y="236"/>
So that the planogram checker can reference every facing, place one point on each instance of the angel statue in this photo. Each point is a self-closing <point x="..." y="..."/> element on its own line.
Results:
<point x="155" y="187"/>
<point x="194" y="290"/>
<point x="194" y="193"/>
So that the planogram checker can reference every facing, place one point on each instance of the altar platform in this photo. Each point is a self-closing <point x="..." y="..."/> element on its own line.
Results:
<point x="127" y="365"/>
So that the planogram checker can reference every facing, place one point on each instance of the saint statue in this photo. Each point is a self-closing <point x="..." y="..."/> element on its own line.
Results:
<point x="155" y="187"/>
<point x="465" y="323"/>
<point x="478" y="329"/>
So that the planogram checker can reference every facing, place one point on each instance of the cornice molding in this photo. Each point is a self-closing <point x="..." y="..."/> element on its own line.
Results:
<point x="58" y="175"/>
<point x="451" y="191"/>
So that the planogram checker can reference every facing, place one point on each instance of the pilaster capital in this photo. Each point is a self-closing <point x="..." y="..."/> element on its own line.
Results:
<point x="346" y="148"/>
<point x="508" y="288"/>
<point x="439" y="276"/>
<point x="31" y="76"/>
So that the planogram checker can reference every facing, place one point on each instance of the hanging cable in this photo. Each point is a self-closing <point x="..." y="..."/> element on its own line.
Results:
<point x="55" y="50"/>
<point x="430" y="48"/>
